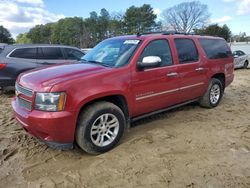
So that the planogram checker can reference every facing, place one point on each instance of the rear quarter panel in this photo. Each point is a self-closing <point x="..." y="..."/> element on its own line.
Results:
<point x="217" y="66"/>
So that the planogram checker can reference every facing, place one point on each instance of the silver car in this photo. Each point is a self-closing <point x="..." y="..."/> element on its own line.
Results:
<point x="241" y="60"/>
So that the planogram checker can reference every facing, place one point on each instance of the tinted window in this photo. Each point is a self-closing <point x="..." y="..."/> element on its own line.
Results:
<point x="27" y="53"/>
<point x="50" y="53"/>
<point x="73" y="54"/>
<point x="158" y="48"/>
<point x="187" y="51"/>
<point x="215" y="48"/>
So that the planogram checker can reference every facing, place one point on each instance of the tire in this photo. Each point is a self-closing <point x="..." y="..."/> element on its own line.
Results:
<point x="100" y="127"/>
<point x="213" y="95"/>
<point x="245" y="65"/>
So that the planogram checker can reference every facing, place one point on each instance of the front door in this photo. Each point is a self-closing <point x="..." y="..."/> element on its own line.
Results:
<point x="155" y="88"/>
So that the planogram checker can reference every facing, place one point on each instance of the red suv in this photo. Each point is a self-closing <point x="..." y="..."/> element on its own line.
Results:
<point x="121" y="80"/>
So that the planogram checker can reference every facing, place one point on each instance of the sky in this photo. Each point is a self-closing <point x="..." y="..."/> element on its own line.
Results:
<point x="19" y="16"/>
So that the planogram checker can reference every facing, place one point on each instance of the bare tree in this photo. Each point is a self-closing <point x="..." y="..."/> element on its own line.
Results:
<point x="186" y="16"/>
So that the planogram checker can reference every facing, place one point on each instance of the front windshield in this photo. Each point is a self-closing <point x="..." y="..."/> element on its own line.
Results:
<point x="112" y="52"/>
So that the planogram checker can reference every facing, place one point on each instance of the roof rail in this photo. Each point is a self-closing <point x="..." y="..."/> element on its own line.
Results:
<point x="165" y="33"/>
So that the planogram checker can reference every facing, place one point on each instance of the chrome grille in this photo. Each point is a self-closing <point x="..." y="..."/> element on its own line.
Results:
<point x="24" y="91"/>
<point x="24" y="103"/>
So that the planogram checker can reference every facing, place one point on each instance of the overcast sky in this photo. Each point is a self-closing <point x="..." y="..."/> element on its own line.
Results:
<point x="20" y="15"/>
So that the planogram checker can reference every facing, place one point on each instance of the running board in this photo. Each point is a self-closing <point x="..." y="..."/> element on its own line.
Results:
<point x="162" y="110"/>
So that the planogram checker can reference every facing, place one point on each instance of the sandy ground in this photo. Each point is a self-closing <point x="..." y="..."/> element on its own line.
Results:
<point x="187" y="147"/>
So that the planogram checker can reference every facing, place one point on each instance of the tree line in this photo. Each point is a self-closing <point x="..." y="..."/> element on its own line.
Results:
<point x="84" y="33"/>
<point x="187" y="17"/>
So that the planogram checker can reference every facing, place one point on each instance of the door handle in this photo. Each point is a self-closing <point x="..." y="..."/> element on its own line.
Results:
<point x="172" y="74"/>
<point x="199" y="69"/>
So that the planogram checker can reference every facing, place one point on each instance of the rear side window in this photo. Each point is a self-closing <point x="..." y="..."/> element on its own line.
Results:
<point x="26" y="53"/>
<point x="158" y="48"/>
<point x="187" y="51"/>
<point x="215" y="48"/>
<point x="73" y="54"/>
<point x="50" y="53"/>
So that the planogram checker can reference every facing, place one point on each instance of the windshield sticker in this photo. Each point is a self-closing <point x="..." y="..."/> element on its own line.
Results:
<point x="131" y="41"/>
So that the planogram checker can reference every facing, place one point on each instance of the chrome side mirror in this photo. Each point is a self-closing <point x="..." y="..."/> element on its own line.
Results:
<point x="150" y="62"/>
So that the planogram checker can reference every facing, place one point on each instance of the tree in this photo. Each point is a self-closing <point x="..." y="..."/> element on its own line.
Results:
<point x="91" y="29"/>
<point x="215" y="30"/>
<point x="23" y="39"/>
<point x="139" y="19"/>
<point x="5" y="36"/>
<point x="226" y="32"/>
<point x="187" y="16"/>
<point x="103" y="22"/>
<point x="68" y="31"/>
<point x="116" y="24"/>
<point x="41" y="33"/>
<point x="97" y="27"/>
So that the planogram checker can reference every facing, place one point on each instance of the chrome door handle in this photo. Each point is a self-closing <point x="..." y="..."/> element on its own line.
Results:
<point x="172" y="74"/>
<point x="199" y="69"/>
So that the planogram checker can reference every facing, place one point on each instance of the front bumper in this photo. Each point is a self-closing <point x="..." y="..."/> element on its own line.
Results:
<point x="56" y="129"/>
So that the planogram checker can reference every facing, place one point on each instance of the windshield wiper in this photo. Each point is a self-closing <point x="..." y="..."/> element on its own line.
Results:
<point x="96" y="62"/>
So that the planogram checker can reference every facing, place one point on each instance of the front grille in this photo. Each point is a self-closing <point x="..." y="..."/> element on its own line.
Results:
<point x="24" y="91"/>
<point x="24" y="103"/>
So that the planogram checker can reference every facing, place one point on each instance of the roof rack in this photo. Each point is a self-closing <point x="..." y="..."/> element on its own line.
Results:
<point x="165" y="33"/>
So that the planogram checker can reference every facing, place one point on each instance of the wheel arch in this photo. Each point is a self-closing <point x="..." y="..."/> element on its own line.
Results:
<point x="221" y="77"/>
<point x="117" y="99"/>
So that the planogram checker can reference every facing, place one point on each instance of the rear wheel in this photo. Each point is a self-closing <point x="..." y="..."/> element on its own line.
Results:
<point x="213" y="94"/>
<point x="245" y="65"/>
<point x="100" y="127"/>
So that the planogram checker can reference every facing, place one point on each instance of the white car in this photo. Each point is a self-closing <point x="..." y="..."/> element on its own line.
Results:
<point x="241" y="60"/>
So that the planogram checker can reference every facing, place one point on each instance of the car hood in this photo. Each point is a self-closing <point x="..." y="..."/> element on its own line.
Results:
<point x="43" y="79"/>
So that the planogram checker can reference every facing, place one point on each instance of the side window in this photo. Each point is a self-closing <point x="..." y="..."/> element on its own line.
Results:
<point x="237" y="53"/>
<point x="50" y="53"/>
<point x="187" y="51"/>
<point x="158" y="48"/>
<point x="26" y="53"/>
<point x="216" y="48"/>
<point x="73" y="54"/>
<point x="241" y="53"/>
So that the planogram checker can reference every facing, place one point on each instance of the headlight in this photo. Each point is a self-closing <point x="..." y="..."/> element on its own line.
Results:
<point x="50" y="101"/>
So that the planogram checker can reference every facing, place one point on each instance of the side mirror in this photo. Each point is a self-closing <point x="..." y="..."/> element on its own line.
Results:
<point x="149" y="62"/>
<point x="235" y="56"/>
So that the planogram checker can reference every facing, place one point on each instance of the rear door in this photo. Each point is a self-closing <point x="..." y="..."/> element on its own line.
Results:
<point x="155" y="88"/>
<point x="191" y="69"/>
<point x="50" y="56"/>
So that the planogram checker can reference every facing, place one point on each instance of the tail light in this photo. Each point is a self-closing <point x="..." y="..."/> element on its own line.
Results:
<point x="2" y="65"/>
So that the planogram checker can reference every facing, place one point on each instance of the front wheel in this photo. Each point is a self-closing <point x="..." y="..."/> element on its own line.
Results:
<point x="100" y="127"/>
<point x="213" y="94"/>
<point x="245" y="65"/>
